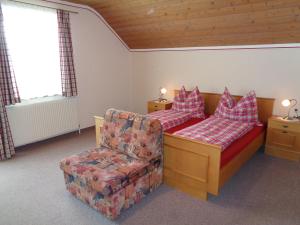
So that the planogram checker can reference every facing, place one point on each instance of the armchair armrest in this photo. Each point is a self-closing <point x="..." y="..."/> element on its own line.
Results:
<point x="98" y="125"/>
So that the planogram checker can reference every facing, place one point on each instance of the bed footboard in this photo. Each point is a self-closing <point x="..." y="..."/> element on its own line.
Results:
<point x="191" y="166"/>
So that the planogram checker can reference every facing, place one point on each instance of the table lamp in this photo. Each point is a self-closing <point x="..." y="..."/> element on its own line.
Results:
<point x="163" y="91"/>
<point x="287" y="103"/>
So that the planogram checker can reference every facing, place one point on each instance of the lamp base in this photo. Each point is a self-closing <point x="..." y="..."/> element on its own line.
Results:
<point x="290" y="118"/>
<point x="162" y="100"/>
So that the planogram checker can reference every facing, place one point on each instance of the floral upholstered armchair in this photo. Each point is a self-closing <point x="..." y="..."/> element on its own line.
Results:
<point x="124" y="169"/>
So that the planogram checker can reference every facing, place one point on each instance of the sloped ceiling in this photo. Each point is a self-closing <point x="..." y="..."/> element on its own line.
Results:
<point x="193" y="23"/>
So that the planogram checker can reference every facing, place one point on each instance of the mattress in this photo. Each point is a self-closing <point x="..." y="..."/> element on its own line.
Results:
<point x="234" y="148"/>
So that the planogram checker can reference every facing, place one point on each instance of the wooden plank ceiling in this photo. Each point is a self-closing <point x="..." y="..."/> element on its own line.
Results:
<point x="193" y="23"/>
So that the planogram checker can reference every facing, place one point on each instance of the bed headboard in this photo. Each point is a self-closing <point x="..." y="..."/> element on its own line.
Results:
<point x="264" y="105"/>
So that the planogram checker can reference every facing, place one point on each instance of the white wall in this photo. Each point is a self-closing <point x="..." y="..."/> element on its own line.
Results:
<point x="102" y="64"/>
<point x="103" y="67"/>
<point x="270" y="72"/>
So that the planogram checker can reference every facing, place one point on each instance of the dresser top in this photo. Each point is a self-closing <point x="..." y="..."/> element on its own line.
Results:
<point x="280" y="119"/>
<point x="161" y="102"/>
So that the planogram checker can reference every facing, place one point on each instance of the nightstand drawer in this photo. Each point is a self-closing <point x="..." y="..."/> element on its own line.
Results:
<point x="280" y="153"/>
<point x="150" y="110"/>
<point x="282" y="138"/>
<point x="156" y="106"/>
<point x="282" y="125"/>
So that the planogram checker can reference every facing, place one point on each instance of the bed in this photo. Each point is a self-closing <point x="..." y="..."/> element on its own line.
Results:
<point x="198" y="168"/>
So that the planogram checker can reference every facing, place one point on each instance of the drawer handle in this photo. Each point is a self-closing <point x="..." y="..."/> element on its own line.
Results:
<point x="285" y="132"/>
<point x="285" y="126"/>
<point x="156" y="106"/>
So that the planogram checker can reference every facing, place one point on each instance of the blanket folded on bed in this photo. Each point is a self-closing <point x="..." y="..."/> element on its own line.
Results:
<point x="170" y="118"/>
<point x="218" y="131"/>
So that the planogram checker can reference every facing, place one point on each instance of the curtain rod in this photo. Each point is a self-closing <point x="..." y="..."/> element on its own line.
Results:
<point x="49" y="7"/>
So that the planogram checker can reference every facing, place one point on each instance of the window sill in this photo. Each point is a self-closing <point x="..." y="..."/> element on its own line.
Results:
<point x="39" y="100"/>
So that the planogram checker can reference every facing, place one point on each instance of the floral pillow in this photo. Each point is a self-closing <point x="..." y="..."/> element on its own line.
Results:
<point x="245" y="110"/>
<point x="193" y="103"/>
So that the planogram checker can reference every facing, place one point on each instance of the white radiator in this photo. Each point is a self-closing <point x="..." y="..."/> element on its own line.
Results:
<point x="37" y="120"/>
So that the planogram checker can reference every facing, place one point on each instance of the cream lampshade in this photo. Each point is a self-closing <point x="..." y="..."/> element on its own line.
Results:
<point x="163" y="91"/>
<point x="287" y="103"/>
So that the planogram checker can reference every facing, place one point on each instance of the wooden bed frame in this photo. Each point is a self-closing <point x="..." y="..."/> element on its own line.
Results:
<point x="194" y="166"/>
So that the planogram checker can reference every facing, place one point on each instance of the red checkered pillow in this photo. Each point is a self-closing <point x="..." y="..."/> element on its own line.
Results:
<point x="179" y="99"/>
<point x="227" y="100"/>
<point x="182" y="95"/>
<point x="193" y="103"/>
<point x="244" y="111"/>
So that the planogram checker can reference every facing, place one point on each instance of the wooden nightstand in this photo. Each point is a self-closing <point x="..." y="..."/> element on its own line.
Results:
<point x="283" y="138"/>
<point x="155" y="105"/>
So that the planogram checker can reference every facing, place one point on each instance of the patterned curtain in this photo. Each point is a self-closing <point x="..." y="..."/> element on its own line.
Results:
<point x="7" y="149"/>
<point x="8" y="95"/>
<point x="68" y="79"/>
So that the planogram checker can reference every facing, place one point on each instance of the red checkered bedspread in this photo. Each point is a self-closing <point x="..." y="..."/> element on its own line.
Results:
<point x="216" y="131"/>
<point x="170" y="118"/>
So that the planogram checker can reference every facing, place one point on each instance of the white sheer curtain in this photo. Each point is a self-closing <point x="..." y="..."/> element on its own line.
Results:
<point x="32" y="38"/>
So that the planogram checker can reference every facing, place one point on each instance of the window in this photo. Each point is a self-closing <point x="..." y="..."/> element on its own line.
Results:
<point x="32" y="39"/>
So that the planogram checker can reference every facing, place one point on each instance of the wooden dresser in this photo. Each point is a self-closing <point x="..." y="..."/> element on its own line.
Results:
<point x="155" y="105"/>
<point x="283" y="138"/>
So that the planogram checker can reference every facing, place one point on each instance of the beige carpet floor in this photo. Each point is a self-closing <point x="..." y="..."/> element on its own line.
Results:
<point x="265" y="191"/>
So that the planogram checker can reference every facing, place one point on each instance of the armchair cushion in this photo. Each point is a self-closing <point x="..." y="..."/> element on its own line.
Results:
<point x="136" y="135"/>
<point x="116" y="131"/>
<point x="105" y="171"/>
<point x="146" y="141"/>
